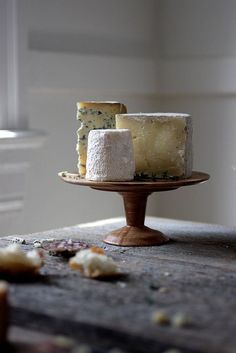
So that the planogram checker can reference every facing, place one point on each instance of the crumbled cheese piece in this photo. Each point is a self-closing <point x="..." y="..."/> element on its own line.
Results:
<point x="110" y="155"/>
<point x="163" y="290"/>
<point x="14" y="261"/>
<point x="181" y="320"/>
<point x="122" y="284"/>
<point x="94" y="115"/>
<point x="18" y="240"/>
<point x="38" y="243"/>
<point x="93" y="263"/>
<point x="167" y="274"/>
<point x="160" y="317"/>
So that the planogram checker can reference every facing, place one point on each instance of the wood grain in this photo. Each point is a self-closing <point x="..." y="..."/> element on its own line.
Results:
<point x="135" y="195"/>
<point x="157" y="185"/>
<point x="197" y="269"/>
<point x="4" y="312"/>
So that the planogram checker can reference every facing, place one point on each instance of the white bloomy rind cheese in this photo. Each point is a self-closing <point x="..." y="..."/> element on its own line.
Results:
<point x="110" y="155"/>
<point x="162" y="143"/>
<point x="94" y="115"/>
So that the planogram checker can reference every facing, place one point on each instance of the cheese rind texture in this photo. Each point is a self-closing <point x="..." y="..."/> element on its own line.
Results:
<point x="162" y="143"/>
<point x="94" y="115"/>
<point x="110" y="155"/>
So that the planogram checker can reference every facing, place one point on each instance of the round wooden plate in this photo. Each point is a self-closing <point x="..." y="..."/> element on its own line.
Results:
<point x="135" y="194"/>
<point x="157" y="185"/>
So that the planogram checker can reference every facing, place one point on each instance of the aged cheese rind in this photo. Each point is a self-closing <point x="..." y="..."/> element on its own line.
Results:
<point x="94" y="115"/>
<point x="162" y="143"/>
<point x="110" y="155"/>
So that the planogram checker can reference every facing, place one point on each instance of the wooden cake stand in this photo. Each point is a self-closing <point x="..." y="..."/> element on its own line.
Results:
<point x="135" y="194"/>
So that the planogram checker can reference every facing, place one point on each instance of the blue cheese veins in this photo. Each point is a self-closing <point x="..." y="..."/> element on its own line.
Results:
<point x="94" y="115"/>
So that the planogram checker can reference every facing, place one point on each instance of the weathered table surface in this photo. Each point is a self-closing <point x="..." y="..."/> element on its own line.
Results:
<point x="197" y="269"/>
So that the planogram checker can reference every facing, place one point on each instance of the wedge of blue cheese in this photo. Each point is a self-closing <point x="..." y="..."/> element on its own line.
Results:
<point x="162" y="144"/>
<point x="94" y="115"/>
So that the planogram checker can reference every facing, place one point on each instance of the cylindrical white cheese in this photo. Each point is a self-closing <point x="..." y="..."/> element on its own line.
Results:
<point x="162" y="143"/>
<point x="110" y="155"/>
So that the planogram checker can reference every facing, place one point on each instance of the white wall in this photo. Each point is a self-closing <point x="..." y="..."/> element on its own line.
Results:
<point x="198" y="60"/>
<point x="80" y="51"/>
<point x="155" y="55"/>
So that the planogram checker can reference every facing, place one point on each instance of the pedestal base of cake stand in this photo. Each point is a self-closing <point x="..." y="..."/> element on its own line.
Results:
<point x="136" y="236"/>
<point x="135" y="194"/>
<point x="135" y="233"/>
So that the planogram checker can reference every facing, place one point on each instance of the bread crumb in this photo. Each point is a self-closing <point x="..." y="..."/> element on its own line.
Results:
<point x="160" y="317"/>
<point x="94" y="263"/>
<point x="167" y="274"/>
<point x="181" y="320"/>
<point x="163" y="290"/>
<point x="14" y="261"/>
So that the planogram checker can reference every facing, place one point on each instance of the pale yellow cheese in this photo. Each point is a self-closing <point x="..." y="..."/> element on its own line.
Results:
<point x="94" y="115"/>
<point x="162" y="143"/>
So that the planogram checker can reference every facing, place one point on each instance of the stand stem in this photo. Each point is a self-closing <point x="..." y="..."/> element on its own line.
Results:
<point x="135" y="207"/>
<point x="135" y="233"/>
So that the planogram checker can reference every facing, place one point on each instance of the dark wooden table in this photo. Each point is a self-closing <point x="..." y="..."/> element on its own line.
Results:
<point x="193" y="274"/>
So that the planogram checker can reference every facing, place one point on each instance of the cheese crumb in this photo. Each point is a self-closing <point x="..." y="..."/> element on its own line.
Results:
<point x="166" y="274"/>
<point x="160" y="317"/>
<point x="93" y="263"/>
<point x="38" y="243"/>
<point x="163" y="290"/>
<point x="181" y="320"/>
<point x="18" y="240"/>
